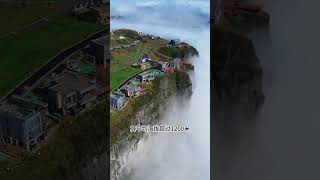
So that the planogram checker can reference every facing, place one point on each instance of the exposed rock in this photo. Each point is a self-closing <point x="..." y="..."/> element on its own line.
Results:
<point x="148" y="111"/>
<point x="237" y="72"/>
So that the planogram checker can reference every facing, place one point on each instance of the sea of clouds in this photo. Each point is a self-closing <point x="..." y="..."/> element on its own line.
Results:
<point x="174" y="156"/>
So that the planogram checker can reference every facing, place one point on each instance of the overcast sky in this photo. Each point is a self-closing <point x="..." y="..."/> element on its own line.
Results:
<point x="189" y="13"/>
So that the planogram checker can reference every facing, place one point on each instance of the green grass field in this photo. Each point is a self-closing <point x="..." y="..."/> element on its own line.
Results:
<point x="121" y="75"/>
<point x="123" y="58"/>
<point x="32" y="49"/>
<point x="120" y="70"/>
<point x="15" y="18"/>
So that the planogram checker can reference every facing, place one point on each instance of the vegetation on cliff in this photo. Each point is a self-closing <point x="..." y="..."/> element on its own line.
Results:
<point x="175" y="52"/>
<point x="178" y="83"/>
<point x="235" y="61"/>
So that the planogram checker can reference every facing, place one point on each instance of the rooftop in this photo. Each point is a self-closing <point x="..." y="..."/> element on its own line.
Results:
<point x="117" y="95"/>
<point x="67" y="83"/>
<point x="156" y="72"/>
<point x="146" y="73"/>
<point x="134" y="88"/>
<point x="20" y="108"/>
<point x="101" y="41"/>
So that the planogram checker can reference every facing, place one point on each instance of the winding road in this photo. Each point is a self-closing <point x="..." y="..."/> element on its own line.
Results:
<point x="52" y="64"/>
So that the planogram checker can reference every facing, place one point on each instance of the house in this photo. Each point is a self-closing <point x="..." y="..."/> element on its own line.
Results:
<point x="136" y="42"/>
<point x="100" y="50"/>
<point x="23" y="122"/>
<point x="163" y="65"/>
<point x="117" y="100"/>
<point x="144" y="57"/>
<point x="156" y="72"/>
<point x="173" y="42"/>
<point x="145" y="65"/>
<point x="146" y="76"/>
<point x="174" y="63"/>
<point x="141" y="33"/>
<point x="133" y="91"/>
<point x="70" y="93"/>
<point x="103" y="13"/>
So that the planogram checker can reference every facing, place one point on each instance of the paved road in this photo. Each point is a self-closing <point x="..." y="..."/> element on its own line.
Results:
<point x="131" y="77"/>
<point x="43" y="70"/>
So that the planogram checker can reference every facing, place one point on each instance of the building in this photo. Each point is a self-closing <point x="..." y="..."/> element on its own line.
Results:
<point x="162" y="65"/>
<point x="104" y="13"/>
<point x="133" y="91"/>
<point x="174" y="63"/>
<point x="70" y="93"/>
<point x="146" y="76"/>
<point x="67" y="6"/>
<point x="100" y="50"/>
<point x="145" y="66"/>
<point x="117" y="100"/>
<point x="173" y="42"/>
<point x="23" y="122"/>
<point x="156" y="72"/>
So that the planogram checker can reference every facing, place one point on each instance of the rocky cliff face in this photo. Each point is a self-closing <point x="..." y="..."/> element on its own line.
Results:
<point x="150" y="112"/>
<point x="237" y="75"/>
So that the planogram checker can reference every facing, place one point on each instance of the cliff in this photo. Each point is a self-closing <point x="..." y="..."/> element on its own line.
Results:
<point x="182" y="52"/>
<point x="145" y="109"/>
<point x="237" y="73"/>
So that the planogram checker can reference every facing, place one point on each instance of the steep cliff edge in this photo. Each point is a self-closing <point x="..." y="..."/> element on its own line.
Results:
<point x="237" y="74"/>
<point x="146" y="109"/>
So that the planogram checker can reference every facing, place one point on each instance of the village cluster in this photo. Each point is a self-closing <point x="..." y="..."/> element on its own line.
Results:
<point x="68" y="88"/>
<point x="124" y="46"/>
<point x="90" y="10"/>
<point x="135" y="42"/>
<point x="133" y="86"/>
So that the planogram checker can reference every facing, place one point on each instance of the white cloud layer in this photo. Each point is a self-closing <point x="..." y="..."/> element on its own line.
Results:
<point x="174" y="156"/>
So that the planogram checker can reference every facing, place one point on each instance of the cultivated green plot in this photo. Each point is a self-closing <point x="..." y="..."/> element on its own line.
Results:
<point x="29" y="50"/>
<point x="15" y="18"/>
<point x="118" y="77"/>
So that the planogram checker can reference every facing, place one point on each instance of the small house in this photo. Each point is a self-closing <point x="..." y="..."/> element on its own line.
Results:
<point x="174" y="63"/>
<point x="144" y="66"/>
<point x="100" y="50"/>
<point x="146" y="76"/>
<point x="163" y="65"/>
<point x="156" y="72"/>
<point x="173" y="42"/>
<point x="117" y="100"/>
<point x="133" y="91"/>
<point x="23" y="121"/>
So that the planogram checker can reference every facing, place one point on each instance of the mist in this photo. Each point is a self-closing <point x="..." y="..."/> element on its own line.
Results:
<point x="184" y="155"/>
